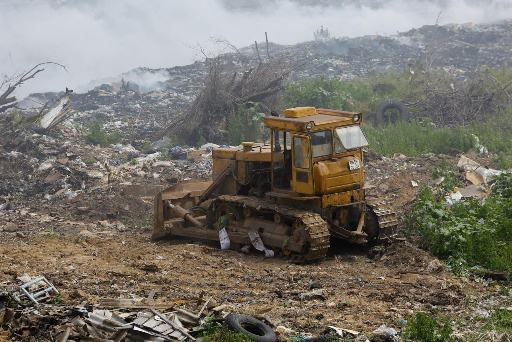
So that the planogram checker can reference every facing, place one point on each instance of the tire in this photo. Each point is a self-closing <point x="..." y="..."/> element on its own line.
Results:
<point x="380" y="118"/>
<point x="251" y="327"/>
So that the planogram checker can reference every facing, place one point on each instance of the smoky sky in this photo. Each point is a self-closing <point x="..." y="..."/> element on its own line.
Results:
<point x="98" y="39"/>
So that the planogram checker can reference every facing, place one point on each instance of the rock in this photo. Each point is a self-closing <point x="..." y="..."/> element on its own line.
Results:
<point x="10" y="227"/>
<point x="85" y="236"/>
<point x="435" y="266"/>
<point x="52" y="177"/>
<point x="46" y="165"/>
<point x="283" y="331"/>
<point x="95" y="174"/>
<point x="7" y="206"/>
<point x="361" y="338"/>
<point x="314" y="284"/>
<point x="376" y="252"/>
<point x="315" y="294"/>
<point x="21" y="234"/>
<point x="399" y="156"/>
<point x="77" y="294"/>
<point x="209" y="147"/>
<point x="384" y="334"/>
<point x="177" y="153"/>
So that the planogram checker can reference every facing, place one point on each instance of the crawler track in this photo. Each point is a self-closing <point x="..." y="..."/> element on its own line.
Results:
<point x="306" y="227"/>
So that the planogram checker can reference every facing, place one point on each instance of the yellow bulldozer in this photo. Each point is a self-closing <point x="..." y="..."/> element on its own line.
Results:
<point x="291" y="195"/>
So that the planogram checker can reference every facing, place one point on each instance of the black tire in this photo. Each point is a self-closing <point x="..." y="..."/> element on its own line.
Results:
<point x="380" y="118"/>
<point x="251" y="327"/>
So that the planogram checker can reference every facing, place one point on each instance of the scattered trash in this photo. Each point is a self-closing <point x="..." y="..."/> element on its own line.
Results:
<point x="314" y="294"/>
<point x="225" y="243"/>
<point x="476" y="173"/>
<point x="258" y="244"/>
<point x="342" y="332"/>
<point x="453" y="197"/>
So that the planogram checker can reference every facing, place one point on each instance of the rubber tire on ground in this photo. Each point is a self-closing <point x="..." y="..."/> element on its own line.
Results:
<point x="251" y="327"/>
<point x="391" y="104"/>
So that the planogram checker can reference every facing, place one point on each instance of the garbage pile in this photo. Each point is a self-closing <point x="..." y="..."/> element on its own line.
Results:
<point x="30" y="312"/>
<point x="26" y="317"/>
<point x="141" y="112"/>
<point x="58" y="169"/>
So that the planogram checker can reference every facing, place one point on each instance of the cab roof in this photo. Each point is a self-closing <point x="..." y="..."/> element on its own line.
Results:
<point x="311" y="119"/>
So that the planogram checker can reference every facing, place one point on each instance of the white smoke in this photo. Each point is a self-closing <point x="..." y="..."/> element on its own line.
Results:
<point x="98" y="39"/>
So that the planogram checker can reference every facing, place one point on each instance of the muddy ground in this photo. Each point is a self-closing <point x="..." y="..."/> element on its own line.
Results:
<point x="97" y="247"/>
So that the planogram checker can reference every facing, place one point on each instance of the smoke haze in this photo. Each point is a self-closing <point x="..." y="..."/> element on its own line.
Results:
<point x="99" y="39"/>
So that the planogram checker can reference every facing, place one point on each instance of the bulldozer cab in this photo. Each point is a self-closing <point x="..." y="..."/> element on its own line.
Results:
<point x="316" y="151"/>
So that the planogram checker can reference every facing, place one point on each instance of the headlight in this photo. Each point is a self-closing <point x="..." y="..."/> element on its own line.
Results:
<point x="309" y="125"/>
<point x="356" y="118"/>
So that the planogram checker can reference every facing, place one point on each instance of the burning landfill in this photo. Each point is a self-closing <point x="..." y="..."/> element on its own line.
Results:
<point x="80" y="175"/>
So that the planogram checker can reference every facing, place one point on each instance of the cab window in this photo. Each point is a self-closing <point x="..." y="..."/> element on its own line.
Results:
<point x="321" y="143"/>
<point x="301" y="152"/>
<point x="349" y="138"/>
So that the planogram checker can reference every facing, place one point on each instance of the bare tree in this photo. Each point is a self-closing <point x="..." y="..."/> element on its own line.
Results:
<point x="225" y="90"/>
<point x="7" y="99"/>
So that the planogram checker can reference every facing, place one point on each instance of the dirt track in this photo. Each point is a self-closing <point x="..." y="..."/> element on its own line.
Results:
<point x="90" y="259"/>
<point x="348" y="289"/>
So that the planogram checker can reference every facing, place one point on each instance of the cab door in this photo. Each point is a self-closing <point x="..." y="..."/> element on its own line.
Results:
<point x="302" y="175"/>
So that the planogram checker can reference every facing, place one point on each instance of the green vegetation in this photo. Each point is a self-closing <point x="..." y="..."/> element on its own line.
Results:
<point x="469" y="232"/>
<point x="424" y="327"/>
<point x="98" y="136"/>
<point x="225" y="335"/>
<point x="500" y="320"/>
<point x="146" y="147"/>
<point x="421" y="135"/>
<point x="362" y="94"/>
<point x="216" y="332"/>
<point x="413" y="139"/>
<point x="449" y="176"/>
<point x="245" y="124"/>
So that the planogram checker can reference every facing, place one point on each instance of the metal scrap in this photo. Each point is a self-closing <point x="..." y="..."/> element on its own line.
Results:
<point x="58" y="113"/>
<point x="37" y="289"/>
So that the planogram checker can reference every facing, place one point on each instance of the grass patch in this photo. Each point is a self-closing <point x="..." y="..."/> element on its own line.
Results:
<point x="413" y="139"/>
<point x="424" y="327"/>
<point x="500" y="321"/>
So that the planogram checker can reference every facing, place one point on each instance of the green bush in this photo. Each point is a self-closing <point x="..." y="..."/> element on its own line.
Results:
<point x="449" y="175"/>
<point x="245" y="124"/>
<point x="423" y="327"/>
<point x="503" y="185"/>
<point x="98" y="136"/>
<point x="468" y="232"/>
